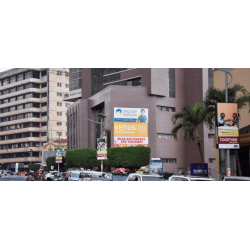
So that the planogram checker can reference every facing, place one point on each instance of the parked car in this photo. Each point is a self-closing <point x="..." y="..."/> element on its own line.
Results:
<point x="97" y="179"/>
<point x="177" y="177"/>
<point x="145" y="177"/>
<point x="236" y="178"/>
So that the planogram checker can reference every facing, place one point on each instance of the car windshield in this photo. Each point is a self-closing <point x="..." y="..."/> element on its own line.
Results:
<point x="120" y="177"/>
<point x="151" y="178"/>
<point x="75" y="175"/>
<point x="97" y="174"/>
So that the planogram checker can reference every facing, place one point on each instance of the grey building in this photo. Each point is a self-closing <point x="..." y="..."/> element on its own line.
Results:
<point x="31" y="112"/>
<point x="161" y="91"/>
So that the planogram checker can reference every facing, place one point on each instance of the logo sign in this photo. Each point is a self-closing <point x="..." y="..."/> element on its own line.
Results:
<point x="59" y="155"/>
<point x="156" y="168"/>
<point x="130" y="127"/>
<point x="227" y="126"/>
<point x="196" y="169"/>
<point x="228" y="172"/>
<point x="101" y="149"/>
<point x="72" y="94"/>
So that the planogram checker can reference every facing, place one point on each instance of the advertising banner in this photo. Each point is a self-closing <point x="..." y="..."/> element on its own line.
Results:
<point x="156" y="168"/>
<point x="227" y="126"/>
<point x="16" y="168"/>
<point x="196" y="169"/>
<point x="101" y="149"/>
<point x="59" y="155"/>
<point x="130" y="127"/>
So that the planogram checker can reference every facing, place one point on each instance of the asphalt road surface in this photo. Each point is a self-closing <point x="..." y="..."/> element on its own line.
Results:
<point x="13" y="178"/>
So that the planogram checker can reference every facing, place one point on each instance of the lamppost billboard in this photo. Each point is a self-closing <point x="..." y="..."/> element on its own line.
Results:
<point x="59" y="155"/>
<point x="227" y="126"/>
<point x="101" y="149"/>
<point x="130" y="127"/>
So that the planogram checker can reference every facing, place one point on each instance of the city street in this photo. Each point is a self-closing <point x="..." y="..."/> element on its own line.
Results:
<point x="13" y="178"/>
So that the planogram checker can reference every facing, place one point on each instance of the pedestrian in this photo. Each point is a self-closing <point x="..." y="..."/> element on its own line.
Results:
<point x="48" y="177"/>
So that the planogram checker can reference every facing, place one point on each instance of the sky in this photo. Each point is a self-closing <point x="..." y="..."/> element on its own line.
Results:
<point x="3" y="69"/>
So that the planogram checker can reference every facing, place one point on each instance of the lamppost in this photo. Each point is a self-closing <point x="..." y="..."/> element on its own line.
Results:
<point x="227" y="71"/>
<point x="102" y="128"/>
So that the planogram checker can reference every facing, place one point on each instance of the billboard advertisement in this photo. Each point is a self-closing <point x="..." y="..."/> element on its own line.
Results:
<point x="130" y="127"/>
<point x="101" y="149"/>
<point x="196" y="169"/>
<point x="227" y="126"/>
<point x="59" y="155"/>
<point x="156" y="168"/>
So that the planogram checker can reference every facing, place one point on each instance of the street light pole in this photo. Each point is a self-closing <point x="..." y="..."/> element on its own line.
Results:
<point x="101" y="136"/>
<point x="228" y="150"/>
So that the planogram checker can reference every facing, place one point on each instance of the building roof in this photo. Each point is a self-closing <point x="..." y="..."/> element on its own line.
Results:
<point x="245" y="130"/>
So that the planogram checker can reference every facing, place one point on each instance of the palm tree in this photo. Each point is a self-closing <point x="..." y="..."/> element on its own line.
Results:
<point x="236" y="94"/>
<point x="191" y="117"/>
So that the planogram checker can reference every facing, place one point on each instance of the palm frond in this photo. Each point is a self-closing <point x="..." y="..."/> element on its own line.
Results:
<point x="175" y="129"/>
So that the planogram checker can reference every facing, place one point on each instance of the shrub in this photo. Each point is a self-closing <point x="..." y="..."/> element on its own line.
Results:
<point x="135" y="157"/>
<point x="82" y="158"/>
<point x="34" y="167"/>
<point x="51" y="161"/>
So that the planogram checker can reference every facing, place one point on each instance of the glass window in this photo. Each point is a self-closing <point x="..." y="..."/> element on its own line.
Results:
<point x="20" y="77"/>
<point x="5" y="92"/>
<point x="12" y="90"/>
<point x="5" y="82"/>
<point x="44" y="104"/>
<point x="19" y="116"/>
<point x="13" y="79"/>
<point x="12" y="108"/>
<point x="44" y="94"/>
<point x="35" y="105"/>
<point x="12" y="99"/>
<point x="5" y="101"/>
<point x="44" y="85"/>
<point x="5" y="110"/>
<point x="20" y="88"/>
<point x="19" y="107"/>
<point x="28" y="75"/>
<point x="210" y="136"/>
<point x="212" y="160"/>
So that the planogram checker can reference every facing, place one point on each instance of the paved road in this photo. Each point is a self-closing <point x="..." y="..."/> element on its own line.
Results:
<point x="13" y="178"/>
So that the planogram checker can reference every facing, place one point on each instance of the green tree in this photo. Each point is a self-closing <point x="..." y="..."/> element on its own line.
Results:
<point x="34" y="167"/>
<point x="191" y="117"/>
<point x="126" y="157"/>
<point x="82" y="158"/>
<point x="236" y="94"/>
<point x="51" y="161"/>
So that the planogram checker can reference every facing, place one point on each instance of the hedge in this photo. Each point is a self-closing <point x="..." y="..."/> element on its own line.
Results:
<point x="51" y="161"/>
<point x="82" y="158"/>
<point x="34" y="167"/>
<point x="135" y="157"/>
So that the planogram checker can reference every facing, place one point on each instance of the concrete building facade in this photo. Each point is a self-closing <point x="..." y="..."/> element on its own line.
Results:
<point x="31" y="112"/>
<point x="161" y="91"/>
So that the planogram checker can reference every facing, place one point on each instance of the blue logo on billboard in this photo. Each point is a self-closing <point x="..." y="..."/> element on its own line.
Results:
<point x="196" y="169"/>
<point x="118" y="112"/>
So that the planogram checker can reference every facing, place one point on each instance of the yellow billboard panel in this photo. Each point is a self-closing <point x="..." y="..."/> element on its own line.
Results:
<point x="227" y="132"/>
<point x="131" y="129"/>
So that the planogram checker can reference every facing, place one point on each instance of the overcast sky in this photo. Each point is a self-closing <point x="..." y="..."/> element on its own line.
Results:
<point x="3" y="69"/>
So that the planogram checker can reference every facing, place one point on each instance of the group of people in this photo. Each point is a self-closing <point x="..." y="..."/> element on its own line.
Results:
<point x="223" y="122"/>
<point x="56" y="177"/>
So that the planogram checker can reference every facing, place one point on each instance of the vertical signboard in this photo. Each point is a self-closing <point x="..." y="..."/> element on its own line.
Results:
<point x="227" y="126"/>
<point x="59" y="155"/>
<point x="156" y="167"/>
<point x="16" y="168"/>
<point x="130" y="127"/>
<point x="101" y="149"/>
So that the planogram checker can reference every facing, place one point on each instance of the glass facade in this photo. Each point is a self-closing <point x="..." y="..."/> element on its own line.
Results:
<point x="75" y="79"/>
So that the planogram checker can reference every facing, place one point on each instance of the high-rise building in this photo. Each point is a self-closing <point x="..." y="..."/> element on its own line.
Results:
<point x="162" y="91"/>
<point x="31" y="112"/>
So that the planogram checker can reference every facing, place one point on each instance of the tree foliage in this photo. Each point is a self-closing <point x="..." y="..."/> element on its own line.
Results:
<point x="51" y="161"/>
<point x="135" y="157"/>
<point x="236" y="94"/>
<point x="34" y="167"/>
<point x="192" y="117"/>
<point x="82" y="158"/>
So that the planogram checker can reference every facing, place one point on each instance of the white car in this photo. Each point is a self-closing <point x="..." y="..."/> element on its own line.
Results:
<point x="145" y="177"/>
<point x="236" y="178"/>
<point x="189" y="178"/>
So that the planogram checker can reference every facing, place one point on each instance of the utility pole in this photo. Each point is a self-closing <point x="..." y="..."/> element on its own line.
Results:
<point x="228" y="150"/>
<point x="227" y="71"/>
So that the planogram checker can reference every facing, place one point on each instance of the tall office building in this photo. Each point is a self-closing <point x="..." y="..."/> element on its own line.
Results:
<point x="31" y="112"/>
<point x="161" y="91"/>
